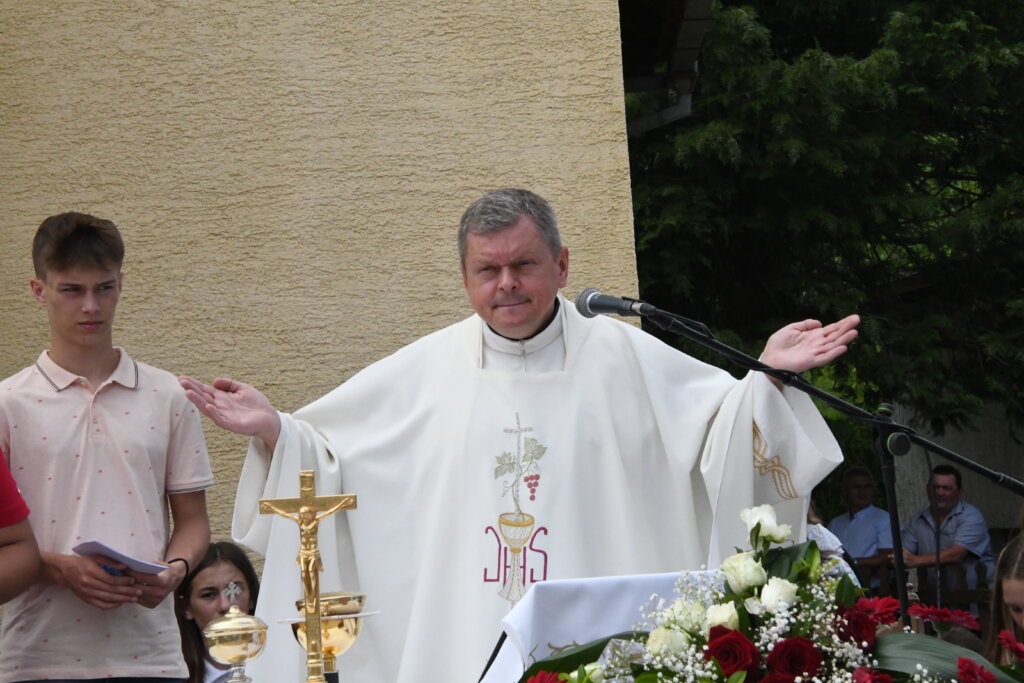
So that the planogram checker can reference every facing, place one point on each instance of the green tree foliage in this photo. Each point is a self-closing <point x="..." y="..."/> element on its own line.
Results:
<point x="851" y="157"/>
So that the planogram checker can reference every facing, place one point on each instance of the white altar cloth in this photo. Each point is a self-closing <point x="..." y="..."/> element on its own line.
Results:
<point x="561" y="613"/>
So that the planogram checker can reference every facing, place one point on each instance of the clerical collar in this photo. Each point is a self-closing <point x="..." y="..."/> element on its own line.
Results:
<point x="518" y="347"/>
<point x="554" y="314"/>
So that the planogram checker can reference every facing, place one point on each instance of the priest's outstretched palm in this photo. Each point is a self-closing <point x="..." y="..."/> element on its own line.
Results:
<point x="807" y="344"/>
<point x="234" y="406"/>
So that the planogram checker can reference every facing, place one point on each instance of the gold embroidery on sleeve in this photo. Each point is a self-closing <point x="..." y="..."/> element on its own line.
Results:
<point x="780" y="473"/>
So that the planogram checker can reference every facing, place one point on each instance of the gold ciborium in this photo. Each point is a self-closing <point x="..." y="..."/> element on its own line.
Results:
<point x="340" y="624"/>
<point x="235" y="638"/>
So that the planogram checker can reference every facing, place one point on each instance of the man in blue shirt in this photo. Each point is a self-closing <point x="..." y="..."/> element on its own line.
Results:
<point x="963" y="534"/>
<point x="863" y="529"/>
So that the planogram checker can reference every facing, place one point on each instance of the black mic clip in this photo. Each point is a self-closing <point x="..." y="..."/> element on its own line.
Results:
<point x="892" y="440"/>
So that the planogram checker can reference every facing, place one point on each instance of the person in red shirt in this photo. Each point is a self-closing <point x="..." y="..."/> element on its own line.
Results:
<point x="19" y="555"/>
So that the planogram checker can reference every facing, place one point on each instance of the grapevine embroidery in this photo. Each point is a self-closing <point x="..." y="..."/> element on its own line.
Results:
<point x="516" y="468"/>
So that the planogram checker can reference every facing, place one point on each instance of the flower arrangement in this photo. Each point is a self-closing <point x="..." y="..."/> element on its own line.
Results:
<point x="773" y="615"/>
<point x="1010" y="644"/>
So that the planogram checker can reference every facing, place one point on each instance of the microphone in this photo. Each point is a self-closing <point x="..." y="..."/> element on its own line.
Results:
<point x="591" y="302"/>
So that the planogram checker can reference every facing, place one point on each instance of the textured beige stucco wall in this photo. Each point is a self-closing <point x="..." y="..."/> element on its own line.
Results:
<point x="288" y="175"/>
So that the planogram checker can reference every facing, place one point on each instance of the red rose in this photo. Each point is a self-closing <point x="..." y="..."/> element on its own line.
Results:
<point x="795" y="656"/>
<point x="856" y="627"/>
<point x="881" y="610"/>
<point x="732" y="650"/>
<point x="1010" y="644"/>
<point x="865" y="675"/>
<point x="543" y="677"/>
<point x="969" y="671"/>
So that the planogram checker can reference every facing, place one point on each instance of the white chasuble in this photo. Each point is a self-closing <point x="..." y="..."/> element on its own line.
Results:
<point x="473" y="484"/>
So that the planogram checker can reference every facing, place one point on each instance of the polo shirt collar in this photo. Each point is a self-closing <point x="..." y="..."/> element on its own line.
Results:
<point x="860" y="513"/>
<point x="126" y="373"/>
<point x="957" y="509"/>
<point x="929" y="513"/>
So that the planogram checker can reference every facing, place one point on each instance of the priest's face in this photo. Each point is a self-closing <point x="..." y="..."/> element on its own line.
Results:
<point x="512" y="278"/>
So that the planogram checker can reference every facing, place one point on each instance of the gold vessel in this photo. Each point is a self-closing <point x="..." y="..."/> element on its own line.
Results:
<point x="235" y="638"/>
<point x="340" y="625"/>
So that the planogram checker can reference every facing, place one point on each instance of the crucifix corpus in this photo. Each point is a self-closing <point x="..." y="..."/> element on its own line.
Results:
<point x="307" y="510"/>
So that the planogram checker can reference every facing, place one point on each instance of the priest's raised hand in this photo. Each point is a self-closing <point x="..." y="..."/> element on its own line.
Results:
<point x="807" y="344"/>
<point x="235" y="406"/>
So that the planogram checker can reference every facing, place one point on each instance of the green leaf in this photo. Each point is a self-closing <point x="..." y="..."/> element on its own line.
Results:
<point x="737" y="677"/>
<point x="779" y="561"/>
<point x="742" y="615"/>
<point x="847" y="592"/>
<point x="902" y="652"/>
<point x="717" y="666"/>
<point x="651" y="677"/>
<point x="575" y="657"/>
<point x="807" y="566"/>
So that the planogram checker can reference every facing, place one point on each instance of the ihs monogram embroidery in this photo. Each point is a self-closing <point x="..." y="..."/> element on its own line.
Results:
<point x="516" y="468"/>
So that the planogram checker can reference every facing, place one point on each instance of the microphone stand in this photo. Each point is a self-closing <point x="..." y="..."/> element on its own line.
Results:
<point x="939" y="578"/>
<point x="890" y="438"/>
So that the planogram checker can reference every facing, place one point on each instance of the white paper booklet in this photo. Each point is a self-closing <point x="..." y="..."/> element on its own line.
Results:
<point x="99" y="548"/>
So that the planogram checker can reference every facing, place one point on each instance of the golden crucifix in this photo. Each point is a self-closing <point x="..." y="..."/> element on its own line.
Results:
<point x="307" y="510"/>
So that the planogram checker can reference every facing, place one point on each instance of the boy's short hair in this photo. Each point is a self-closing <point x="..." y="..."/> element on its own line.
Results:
<point x="72" y="240"/>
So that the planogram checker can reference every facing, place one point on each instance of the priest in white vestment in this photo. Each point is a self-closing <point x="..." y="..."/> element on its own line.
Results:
<point x="524" y="443"/>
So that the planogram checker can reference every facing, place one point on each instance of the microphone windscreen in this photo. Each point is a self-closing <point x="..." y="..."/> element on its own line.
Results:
<point x="583" y="302"/>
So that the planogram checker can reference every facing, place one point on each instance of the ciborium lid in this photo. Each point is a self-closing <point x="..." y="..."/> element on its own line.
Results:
<point x="234" y="622"/>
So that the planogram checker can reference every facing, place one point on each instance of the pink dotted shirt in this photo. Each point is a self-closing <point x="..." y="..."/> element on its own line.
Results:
<point x="97" y="465"/>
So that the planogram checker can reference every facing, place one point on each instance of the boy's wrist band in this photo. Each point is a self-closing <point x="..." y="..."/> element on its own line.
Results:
<point x="188" y="568"/>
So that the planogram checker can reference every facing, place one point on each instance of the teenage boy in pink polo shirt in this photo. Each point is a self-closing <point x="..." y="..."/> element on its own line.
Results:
<point x="104" y="448"/>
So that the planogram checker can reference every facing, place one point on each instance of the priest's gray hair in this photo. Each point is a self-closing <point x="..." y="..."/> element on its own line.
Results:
<point x="499" y="209"/>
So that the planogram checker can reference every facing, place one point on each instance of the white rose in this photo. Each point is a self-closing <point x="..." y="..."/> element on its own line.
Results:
<point x="593" y="670"/>
<point x="778" y="594"/>
<point x="667" y="641"/>
<point x="722" y="615"/>
<point x="770" y="528"/>
<point x="753" y="606"/>
<point x="743" y="572"/>
<point x="687" y="615"/>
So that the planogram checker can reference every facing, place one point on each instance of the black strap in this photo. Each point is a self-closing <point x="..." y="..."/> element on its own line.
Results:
<point x="501" y="641"/>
